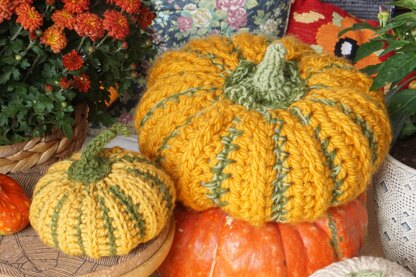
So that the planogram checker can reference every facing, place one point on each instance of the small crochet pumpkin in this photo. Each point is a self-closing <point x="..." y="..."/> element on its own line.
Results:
<point x="103" y="202"/>
<point x="268" y="131"/>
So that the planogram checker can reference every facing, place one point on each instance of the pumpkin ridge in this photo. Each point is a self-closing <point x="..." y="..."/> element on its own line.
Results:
<point x="214" y="186"/>
<point x="173" y="97"/>
<point x="366" y="130"/>
<point x="326" y="68"/>
<point x="175" y="132"/>
<point x="279" y="185"/>
<point x="107" y="225"/>
<point x="330" y="156"/>
<point x="370" y="112"/>
<point x="129" y="206"/>
<point x="55" y="218"/>
<point x="155" y="182"/>
<point x="78" y="227"/>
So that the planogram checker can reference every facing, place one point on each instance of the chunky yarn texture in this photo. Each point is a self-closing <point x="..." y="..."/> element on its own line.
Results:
<point x="268" y="131"/>
<point x="101" y="203"/>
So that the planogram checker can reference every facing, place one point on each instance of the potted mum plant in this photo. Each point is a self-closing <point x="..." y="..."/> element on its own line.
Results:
<point x="55" y="55"/>
<point x="395" y="182"/>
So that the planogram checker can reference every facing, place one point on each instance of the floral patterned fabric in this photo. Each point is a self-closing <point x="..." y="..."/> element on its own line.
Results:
<point x="179" y="20"/>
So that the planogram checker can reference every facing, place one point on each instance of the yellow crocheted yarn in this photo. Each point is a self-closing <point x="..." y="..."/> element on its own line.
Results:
<point x="268" y="131"/>
<point x="108" y="216"/>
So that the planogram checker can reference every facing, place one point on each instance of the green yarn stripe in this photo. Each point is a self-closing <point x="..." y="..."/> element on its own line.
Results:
<point x="156" y="183"/>
<point x="329" y="156"/>
<point x="358" y="120"/>
<point x="280" y="185"/>
<point x="174" y="97"/>
<point x="334" y="235"/>
<point x="130" y="208"/>
<point x="210" y="56"/>
<point x="55" y="219"/>
<point x="175" y="132"/>
<point x="78" y="228"/>
<point x="105" y="215"/>
<point x="214" y="186"/>
<point x="135" y="159"/>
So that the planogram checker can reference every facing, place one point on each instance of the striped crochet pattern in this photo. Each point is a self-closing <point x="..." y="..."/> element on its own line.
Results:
<point x="266" y="130"/>
<point x="103" y="202"/>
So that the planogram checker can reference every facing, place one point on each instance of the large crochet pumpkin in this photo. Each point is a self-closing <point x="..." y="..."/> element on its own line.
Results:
<point x="103" y="203"/>
<point x="268" y="131"/>
<point x="210" y="243"/>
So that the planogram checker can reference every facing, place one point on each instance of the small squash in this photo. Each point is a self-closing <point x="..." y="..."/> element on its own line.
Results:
<point x="268" y="131"/>
<point x="103" y="202"/>
<point x="211" y="243"/>
<point x="14" y="206"/>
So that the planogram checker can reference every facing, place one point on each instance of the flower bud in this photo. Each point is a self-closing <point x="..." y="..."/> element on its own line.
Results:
<point x="134" y="75"/>
<point x="18" y="58"/>
<point x="64" y="104"/>
<point x="383" y="16"/>
<point x="48" y="88"/>
<point x="124" y="45"/>
<point x="133" y="66"/>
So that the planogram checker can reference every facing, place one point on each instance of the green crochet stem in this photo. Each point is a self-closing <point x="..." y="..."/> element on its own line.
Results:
<point x="367" y="273"/>
<point x="92" y="167"/>
<point x="273" y="84"/>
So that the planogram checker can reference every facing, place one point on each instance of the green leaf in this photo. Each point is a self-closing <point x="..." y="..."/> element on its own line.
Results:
<point x="395" y="68"/>
<point x="355" y="27"/>
<point x="4" y="77"/>
<point x="393" y="45"/>
<point x="251" y="4"/>
<point x="371" y="69"/>
<point x="368" y="48"/>
<point x="404" y="100"/>
<point x="408" y="129"/>
<point x="408" y="4"/>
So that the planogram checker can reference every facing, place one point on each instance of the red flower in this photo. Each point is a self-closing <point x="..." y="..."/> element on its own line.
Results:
<point x="55" y="38"/>
<point x="64" y="83"/>
<point x="146" y="17"/>
<point x="116" y="24"/>
<point x="6" y="10"/>
<point x="76" y="6"/>
<point x="82" y="83"/>
<point x="130" y="6"/>
<point x="89" y="24"/>
<point x="28" y="17"/>
<point x="50" y="2"/>
<point x="63" y="19"/>
<point x="72" y="61"/>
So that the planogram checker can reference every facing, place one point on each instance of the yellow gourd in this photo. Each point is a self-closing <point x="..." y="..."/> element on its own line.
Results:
<point x="103" y="202"/>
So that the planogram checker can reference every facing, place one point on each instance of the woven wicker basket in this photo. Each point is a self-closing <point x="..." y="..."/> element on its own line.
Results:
<point x="23" y="157"/>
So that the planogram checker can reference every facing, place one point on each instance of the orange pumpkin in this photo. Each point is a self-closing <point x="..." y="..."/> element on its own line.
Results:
<point x="14" y="206"/>
<point x="211" y="243"/>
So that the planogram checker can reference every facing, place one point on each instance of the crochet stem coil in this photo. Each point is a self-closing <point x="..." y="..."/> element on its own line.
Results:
<point x="91" y="168"/>
<point x="273" y="84"/>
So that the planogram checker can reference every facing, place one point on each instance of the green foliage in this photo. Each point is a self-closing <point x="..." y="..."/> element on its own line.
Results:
<point x="32" y="100"/>
<point x="396" y="40"/>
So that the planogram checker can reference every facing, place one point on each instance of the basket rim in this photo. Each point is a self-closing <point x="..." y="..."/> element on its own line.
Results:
<point x="398" y="163"/>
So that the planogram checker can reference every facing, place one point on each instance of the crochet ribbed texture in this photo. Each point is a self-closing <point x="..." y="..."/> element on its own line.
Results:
<point x="103" y="202"/>
<point x="364" y="266"/>
<point x="268" y="131"/>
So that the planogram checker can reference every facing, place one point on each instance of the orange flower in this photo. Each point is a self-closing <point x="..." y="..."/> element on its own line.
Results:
<point x="146" y="17"/>
<point x="28" y="17"/>
<point x="6" y="10"/>
<point x="82" y="83"/>
<point x="55" y="38"/>
<point x="89" y="24"/>
<point x="76" y="6"/>
<point x="72" y="61"/>
<point x="347" y="44"/>
<point x="116" y="24"/>
<point x="63" y="19"/>
<point x="130" y="6"/>
<point x="64" y="83"/>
